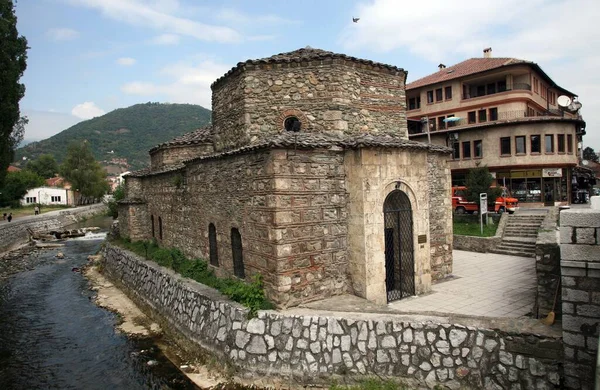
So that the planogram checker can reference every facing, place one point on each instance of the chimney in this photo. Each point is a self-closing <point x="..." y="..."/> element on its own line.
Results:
<point x="442" y="66"/>
<point x="487" y="53"/>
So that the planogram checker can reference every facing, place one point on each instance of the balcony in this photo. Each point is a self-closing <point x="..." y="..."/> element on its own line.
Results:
<point x="471" y="92"/>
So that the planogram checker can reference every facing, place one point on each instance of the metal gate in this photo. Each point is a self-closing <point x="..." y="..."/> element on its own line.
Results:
<point x="399" y="254"/>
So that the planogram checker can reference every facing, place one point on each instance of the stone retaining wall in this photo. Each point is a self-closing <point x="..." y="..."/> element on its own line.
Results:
<point x="313" y="349"/>
<point x="14" y="234"/>
<point x="481" y="244"/>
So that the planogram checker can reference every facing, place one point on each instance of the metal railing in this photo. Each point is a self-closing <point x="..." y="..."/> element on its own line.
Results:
<point x="514" y="87"/>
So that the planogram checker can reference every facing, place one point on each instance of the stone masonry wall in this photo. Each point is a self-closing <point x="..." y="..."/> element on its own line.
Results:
<point x="289" y="207"/>
<point x="547" y="267"/>
<point x="580" y="269"/>
<point x="440" y="216"/>
<point x="327" y="96"/>
<point x="315" y="349"/>
<point x="177" y="154"/>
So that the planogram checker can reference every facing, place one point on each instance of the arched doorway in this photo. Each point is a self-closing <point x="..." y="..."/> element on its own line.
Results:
<point x="399" y="253"/>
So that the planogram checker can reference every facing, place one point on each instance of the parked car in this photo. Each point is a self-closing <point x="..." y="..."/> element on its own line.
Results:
<point x="504" y="203"/>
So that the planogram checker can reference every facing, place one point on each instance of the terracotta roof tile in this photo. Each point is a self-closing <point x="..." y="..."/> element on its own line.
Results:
<point x="199" y="136"/>
<point x="305" y="54"/>
<point x="465" y="68"/>
<point x="12" y="168"/>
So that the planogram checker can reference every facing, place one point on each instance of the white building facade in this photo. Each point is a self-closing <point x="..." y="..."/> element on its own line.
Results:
<point x="48" y="196"/>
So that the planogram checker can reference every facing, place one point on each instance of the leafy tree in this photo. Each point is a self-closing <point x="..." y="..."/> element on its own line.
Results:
<point x="45" y="166"/>
<point x="590" y="154"/>
<point x="16" y="186"/>
<point x="479" y="181"/>
<point x="118" y="194"/>
<point x="83" y="172"/>
<point x="13" y="61"/>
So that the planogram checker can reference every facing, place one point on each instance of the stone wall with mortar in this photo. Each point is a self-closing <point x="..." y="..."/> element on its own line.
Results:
<point x="14" y="234"/>
<point x="175" y="154"/>
<point x="482" y="244"/>
<point x="333" y="95"/>
<point x="580" y="270"/>
<point x="314" y="349"/>
<point x="288" y="205"/>
<point x="547" y="267"/>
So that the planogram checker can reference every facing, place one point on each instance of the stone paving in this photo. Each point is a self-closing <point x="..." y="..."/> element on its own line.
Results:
<point x="484" y="284"/>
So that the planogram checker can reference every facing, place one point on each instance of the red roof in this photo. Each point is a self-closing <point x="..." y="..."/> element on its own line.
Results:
<point x="13" y="169"/>
<point x="465" y="68"/>
<point x="58" y="181"/>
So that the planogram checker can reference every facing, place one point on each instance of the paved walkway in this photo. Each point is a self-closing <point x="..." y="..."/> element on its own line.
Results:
<point x="484" y="284"/>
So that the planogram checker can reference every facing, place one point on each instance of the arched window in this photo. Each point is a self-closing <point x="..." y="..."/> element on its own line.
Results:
<point x="152" y="222"/>
<point x="292" y="123"/>
<point x="238" y="257"/>
<point x="212" y="245"/>
<point x="160" y="235"/>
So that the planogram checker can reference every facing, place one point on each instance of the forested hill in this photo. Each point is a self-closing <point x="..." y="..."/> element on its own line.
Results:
<point x="124" y="133"/>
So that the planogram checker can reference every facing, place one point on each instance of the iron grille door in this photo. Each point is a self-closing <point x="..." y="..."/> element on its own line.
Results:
<point x="399" y="254"/>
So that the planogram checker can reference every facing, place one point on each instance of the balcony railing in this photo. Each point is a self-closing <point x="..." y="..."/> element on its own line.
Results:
<point x="515" y="87"/>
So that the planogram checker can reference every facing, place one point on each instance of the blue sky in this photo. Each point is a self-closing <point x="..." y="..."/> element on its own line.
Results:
<point x="89" y="57"/>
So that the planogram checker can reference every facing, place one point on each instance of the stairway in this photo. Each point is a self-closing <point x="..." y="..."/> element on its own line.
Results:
<point x="520" y="235"/>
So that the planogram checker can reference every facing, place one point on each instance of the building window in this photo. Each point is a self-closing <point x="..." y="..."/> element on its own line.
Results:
<point x="160" y="235"/>
<point x="482" y="116"/>
<point x="30" y="199"/>
<point x="536" y="85"/>
<point x="450" y="123"/>
<point x="536" y="147"/>
<point x="561" y="143"/>
<point x="429" y="96"/>
<point x="448" y="91"/>
<point x="291" y="123"/>
<point x="152" y="224"/>
<point x="502" y="86"/>
<point x="466" y="149"/>
<point x="569" y="143"/>
<point x="414" y="103"/>
<point x="520" y="145"/>
<point x="477" y="149"/>
<point x="494" y="114"/>
<point x="549" y="143"/>
<point x="441" y="123"/>
<point x="238" y="256"/>
<point x="212" y="245"/>
<point x="55" y="198"/>
<point x="438" y="95"/>
<point x="472" y="117"/>
<point x="505" y="146"/>
<point x="491" y="88"/>
<point x="456" y="150"/>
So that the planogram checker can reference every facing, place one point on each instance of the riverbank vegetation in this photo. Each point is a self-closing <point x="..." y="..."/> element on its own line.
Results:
<point x="250" y="294"/>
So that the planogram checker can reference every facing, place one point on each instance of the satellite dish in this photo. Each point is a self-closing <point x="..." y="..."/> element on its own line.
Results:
<point x="563" y="100"/>
<point x="576" y="106"/>
<point x="585" y="162"/>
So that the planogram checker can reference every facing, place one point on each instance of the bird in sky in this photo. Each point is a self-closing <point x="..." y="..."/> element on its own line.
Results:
<point x="355" y="20"/>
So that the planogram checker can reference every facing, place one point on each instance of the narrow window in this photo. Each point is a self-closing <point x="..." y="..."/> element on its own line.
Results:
<point x="494" y="114"/>
<point x="429" y="96"/>
<point x="491" y="88"/>
<point x="482" y="116"/>
<point x="481" y="90"/>
<point x="418" y="102"/>
<point x="549" y="143"/>
<point x="456" y="150"/>
<point x="448" y="92"/>
<point x="535" y="144"/>
<point x="502" y="86"/>
<point x="160" y="228"/>
<point x="505" y="146"/>
<point x="569" y="143"/>
<point x="152" y="223"/>
<point x="561" y="143"/>
<point x="412" y="103"/>
<point x="438" y="95"/>
<point x="472" y="117"/>
<point x="520" y="145"/>
<point x="477" y="149"/>
<point x="466" y="149"/>
<point x="450" y="123"/>
<point x="238" y="257"/>
<point x="212" y="245"/>
<point x="441" y="123"/>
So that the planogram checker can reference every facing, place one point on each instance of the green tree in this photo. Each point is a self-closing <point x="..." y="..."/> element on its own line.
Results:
<point x="118" y="194"/>
<point x="45" y="166"/>
<point x="13" y="61"/>
<point x="479" y="181"/>
<point x="590" y="154"/>
<point x="83" y="172"/>
<point x="16" y="186"/>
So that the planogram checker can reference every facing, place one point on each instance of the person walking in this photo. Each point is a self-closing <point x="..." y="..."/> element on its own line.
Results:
<point x="9" y="217"/>
<point x="36" y="210"/>
<point x="4" y="216"/>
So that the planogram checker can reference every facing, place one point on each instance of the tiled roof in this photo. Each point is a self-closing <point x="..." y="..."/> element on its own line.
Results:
<point x="305" y="54"/>
<point x="310" y="141"/>
<point x="12" y="168"/>
<point x="465" y="68"/>
<point x="199" y="136"/>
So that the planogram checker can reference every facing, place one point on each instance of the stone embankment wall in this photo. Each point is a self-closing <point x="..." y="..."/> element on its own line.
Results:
<point x="314" y="349"/>
<point x="481" y="244"/>
<point x="15" y="234"/>
<point x="547" y="267"/>
<point x="580" y="269"/>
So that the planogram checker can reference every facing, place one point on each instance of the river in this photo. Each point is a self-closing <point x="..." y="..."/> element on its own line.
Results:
<point x="53" y="336"/>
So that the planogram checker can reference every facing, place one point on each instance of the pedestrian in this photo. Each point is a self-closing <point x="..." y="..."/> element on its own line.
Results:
<point x="9" y="217"/>
<point x="4" y="216"/>
<point x="36" y="210"/>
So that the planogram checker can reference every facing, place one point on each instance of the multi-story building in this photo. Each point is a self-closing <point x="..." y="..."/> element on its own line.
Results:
<point x="503" y="113"/>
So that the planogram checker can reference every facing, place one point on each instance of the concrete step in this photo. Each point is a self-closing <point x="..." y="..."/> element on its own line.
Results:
<point x="517" y="246"/>
<point x="511" y="252"/>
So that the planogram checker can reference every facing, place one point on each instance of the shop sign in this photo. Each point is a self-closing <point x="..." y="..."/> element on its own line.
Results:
<point x="552" y="172"/>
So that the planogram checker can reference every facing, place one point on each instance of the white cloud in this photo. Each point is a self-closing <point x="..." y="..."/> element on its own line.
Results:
<point x="87" y="110"/>
<point x="166" y="39"/>
<point x="126" y="61"/>
<point x="230" y="15"/>
<point x="187" y="83"/>
<point x="62" y="34"/>
<point x="160" y="15"/>
<point x="44" y="124"/>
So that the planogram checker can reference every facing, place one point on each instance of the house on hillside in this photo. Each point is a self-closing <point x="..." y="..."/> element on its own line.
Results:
<point x="505" y="113"/>
<point x="57" y="191"/>
<point x="308" y="177"/>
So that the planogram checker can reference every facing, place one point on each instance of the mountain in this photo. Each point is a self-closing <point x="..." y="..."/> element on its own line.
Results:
<point x="125" y="133"/>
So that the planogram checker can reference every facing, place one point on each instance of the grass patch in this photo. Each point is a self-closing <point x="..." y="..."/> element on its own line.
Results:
<point x="468" y="225"/>
<point x="250" y="294"/>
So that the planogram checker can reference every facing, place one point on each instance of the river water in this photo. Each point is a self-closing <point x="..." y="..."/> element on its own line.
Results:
<point x="53" y="336"/>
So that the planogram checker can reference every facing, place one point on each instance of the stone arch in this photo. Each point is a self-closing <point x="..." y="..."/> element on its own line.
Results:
<point x="289" y="113"/>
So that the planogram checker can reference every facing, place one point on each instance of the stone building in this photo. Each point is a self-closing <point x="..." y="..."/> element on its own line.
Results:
<point x="307" y="177"/>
